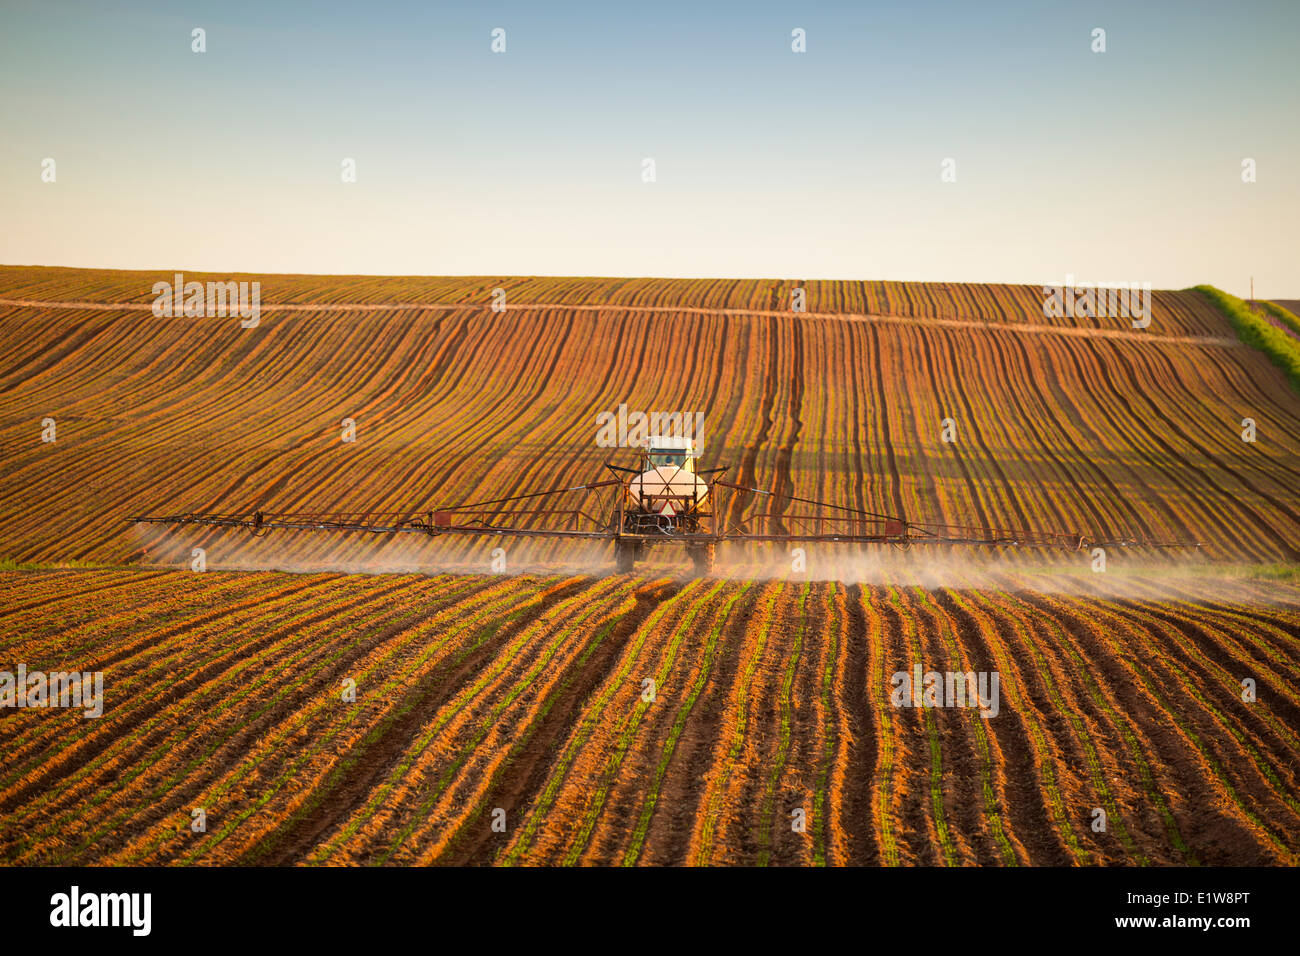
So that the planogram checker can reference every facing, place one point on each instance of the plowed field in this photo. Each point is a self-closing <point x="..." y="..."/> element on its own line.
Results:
<point x="525" y="695"/>
<point x="570" y="715"/>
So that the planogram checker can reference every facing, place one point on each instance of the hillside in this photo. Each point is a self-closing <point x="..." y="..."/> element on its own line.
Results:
<point x="1114" y="431"/>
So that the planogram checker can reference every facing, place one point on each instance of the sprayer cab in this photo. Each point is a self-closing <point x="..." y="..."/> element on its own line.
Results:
<point x="667" y="452"/>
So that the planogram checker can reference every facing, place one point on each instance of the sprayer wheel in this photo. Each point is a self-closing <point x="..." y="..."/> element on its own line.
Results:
<point x="625" y="554"/>
<point x="702" y="555"/>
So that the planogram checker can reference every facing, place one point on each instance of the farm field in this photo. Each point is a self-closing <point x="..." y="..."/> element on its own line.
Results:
<point x="1112" y="431"/>
<point x="525" y="692"/>
<point x="525" y="695"/>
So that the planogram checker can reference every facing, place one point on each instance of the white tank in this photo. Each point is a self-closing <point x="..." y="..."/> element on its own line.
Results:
<point x="645" y="489"/>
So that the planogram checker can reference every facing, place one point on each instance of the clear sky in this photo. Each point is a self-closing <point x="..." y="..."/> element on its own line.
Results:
<point x="1123" y="165"/>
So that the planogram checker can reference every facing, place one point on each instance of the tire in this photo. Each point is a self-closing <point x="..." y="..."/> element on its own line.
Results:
<point x="625" y="554"/>
<point x="702" y="556"/>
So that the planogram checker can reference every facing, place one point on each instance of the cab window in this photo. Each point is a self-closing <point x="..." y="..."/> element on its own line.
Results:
<point x="668" y="460"/>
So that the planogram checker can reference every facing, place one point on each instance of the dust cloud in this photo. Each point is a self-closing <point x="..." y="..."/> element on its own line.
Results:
<point x="1130" y="575"/>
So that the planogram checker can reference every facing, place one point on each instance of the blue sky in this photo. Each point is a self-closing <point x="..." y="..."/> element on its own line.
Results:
<point x="1123" y="165"/>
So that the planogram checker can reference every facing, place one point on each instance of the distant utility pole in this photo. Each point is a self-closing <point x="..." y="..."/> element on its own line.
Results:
<point x="1252" y="288"/>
